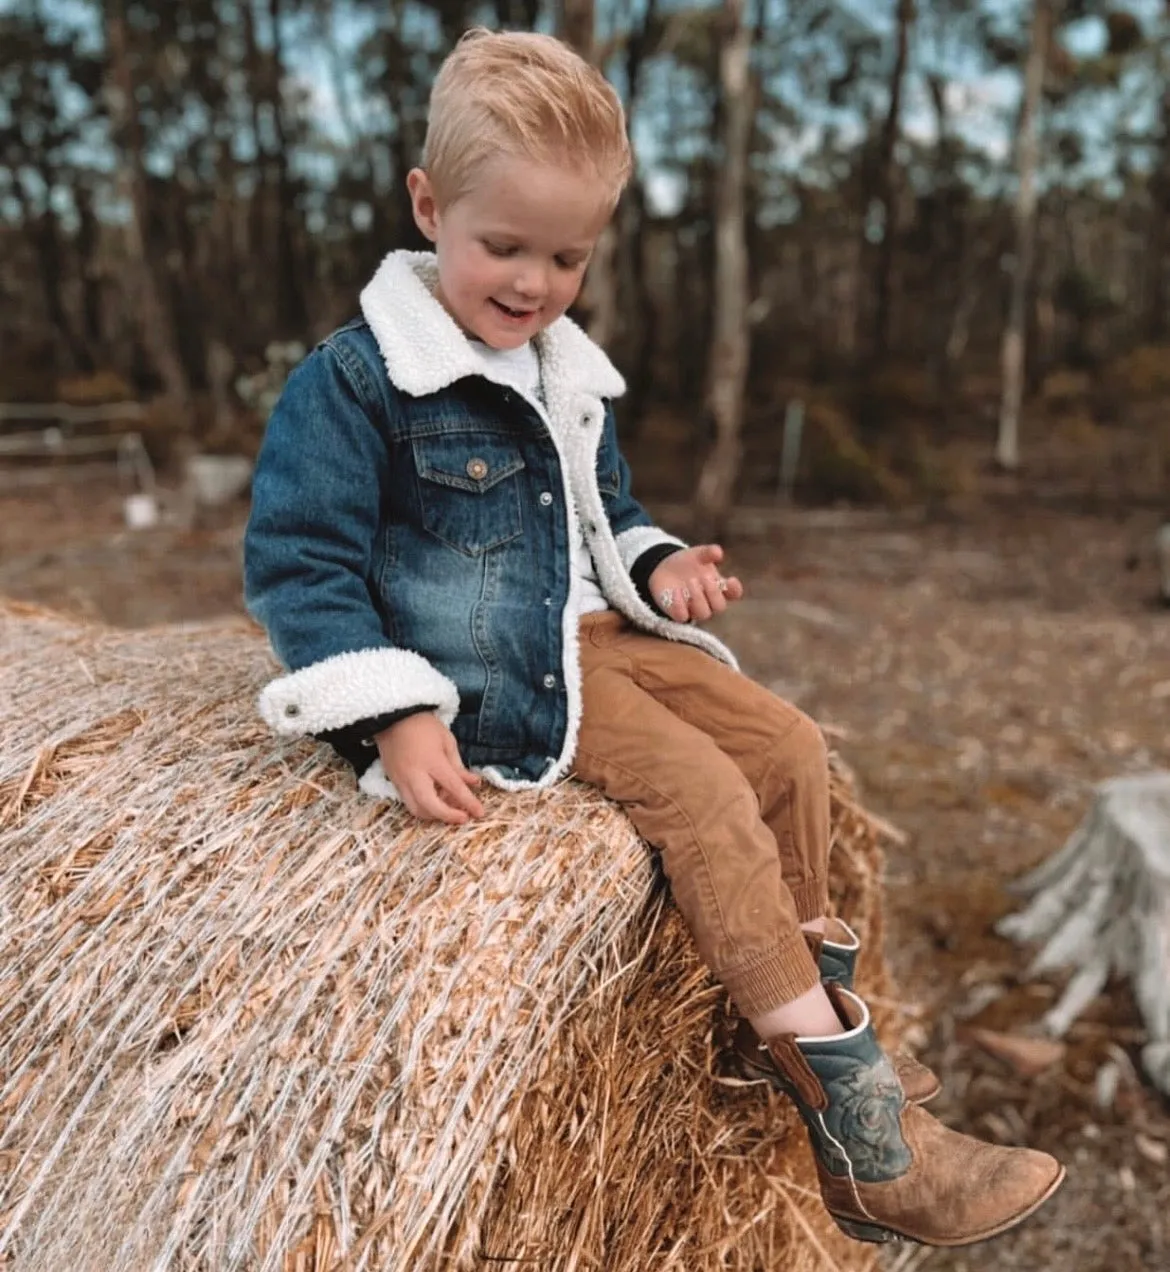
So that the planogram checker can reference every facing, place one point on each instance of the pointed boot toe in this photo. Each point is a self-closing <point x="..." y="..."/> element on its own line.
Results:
<point x="958" y="1190"/>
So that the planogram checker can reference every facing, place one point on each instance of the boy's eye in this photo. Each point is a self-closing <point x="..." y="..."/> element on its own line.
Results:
<point x="569" y="262"/>
<point x="499" y="249"/>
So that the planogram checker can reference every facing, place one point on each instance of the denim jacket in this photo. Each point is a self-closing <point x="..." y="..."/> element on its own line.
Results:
<point x="410" y="542"/>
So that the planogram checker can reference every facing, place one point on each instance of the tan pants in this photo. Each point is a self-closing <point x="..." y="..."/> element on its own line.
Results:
<point x="729" y="783"/>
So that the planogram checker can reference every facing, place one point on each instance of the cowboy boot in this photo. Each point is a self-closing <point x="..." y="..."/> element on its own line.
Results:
<point x="836" y="955"/>
<point x="888" y="1171"/>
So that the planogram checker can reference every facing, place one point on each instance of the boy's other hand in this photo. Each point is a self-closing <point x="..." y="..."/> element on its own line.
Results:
<point x="421" y="757"/>
<point x="689" y="587"/>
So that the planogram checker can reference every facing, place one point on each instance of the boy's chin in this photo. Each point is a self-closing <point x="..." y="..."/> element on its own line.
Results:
<point x="503" y="340"/>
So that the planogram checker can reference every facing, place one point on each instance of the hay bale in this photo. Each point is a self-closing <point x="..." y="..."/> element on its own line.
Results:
<point x="253" y="1020"/>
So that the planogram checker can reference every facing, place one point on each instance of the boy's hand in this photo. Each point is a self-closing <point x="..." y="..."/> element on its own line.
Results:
<point x="689" y="587"/>
<point x="420" y="756"/>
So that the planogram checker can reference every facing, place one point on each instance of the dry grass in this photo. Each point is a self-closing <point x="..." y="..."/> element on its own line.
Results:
<point x="252" y="1020"/>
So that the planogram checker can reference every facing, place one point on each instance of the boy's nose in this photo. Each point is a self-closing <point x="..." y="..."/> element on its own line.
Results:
<point x="532" y="283"/>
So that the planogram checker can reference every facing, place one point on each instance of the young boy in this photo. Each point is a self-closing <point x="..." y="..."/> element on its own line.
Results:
<point x="446" y="555"/>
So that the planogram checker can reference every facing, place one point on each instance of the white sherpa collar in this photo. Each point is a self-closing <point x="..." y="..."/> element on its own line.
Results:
<point x="425" y="351"/>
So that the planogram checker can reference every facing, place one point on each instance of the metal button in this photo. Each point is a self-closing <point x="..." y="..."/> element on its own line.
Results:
<point x="548" y="600"/>
<point x="545" y="498"/>
<point x="477" y="468"/>
<point x="550" y="681"/>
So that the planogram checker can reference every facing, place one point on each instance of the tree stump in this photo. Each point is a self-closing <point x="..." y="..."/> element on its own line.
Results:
<point x="1102" y="907"/>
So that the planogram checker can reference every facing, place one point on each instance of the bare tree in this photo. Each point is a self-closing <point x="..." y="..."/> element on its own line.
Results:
<point x="576" y="22"/>
<point x="155" y="324"/>
<point x="887" y="182"/>
<point x="1007" y="449"/>
<point x="1158" y="236"/>
<point x="731" y="336"/>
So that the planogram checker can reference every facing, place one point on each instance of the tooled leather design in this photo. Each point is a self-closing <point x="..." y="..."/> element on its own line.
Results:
<point x="865" y="1116"/>
<point x="859" y="1106"/>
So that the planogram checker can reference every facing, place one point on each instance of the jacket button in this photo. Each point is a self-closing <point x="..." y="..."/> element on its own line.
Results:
<point x="477" y="469"/>
<point x="545" y="498"/>
<point x="550" y="681"/>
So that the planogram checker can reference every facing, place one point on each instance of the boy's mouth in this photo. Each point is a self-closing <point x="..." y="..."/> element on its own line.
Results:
<point x="515" y="314"/>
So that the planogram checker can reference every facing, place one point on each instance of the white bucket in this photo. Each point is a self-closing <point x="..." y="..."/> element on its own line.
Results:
<point x="140" y="512"/>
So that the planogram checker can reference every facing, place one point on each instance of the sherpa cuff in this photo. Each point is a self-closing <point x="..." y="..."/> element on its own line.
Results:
<point x="632" y="543"/>
<point x="349" y="687"/>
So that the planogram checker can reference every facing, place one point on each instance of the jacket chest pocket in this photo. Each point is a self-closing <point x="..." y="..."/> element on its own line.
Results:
<point x="470" y="491"/>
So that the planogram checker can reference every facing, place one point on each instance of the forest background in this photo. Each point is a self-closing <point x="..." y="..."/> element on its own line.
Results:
<point x="932" y="212"/>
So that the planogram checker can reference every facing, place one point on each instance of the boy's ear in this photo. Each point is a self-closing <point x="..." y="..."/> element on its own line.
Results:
<point x="423" y="204"/>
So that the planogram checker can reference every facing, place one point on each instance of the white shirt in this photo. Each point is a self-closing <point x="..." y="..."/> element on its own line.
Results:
<point x="519" y="369"/>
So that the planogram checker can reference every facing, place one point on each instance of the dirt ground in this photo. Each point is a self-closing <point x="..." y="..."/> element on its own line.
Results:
<point x="984" y="672"/>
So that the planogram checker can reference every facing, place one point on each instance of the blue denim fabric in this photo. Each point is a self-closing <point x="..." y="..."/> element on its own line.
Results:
<point x="382" y="520"/>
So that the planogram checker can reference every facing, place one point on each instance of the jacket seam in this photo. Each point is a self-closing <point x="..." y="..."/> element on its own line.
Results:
<point x="355" y="375"/>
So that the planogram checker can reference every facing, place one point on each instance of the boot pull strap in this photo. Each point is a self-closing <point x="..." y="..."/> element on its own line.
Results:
<point x="798" y="1071"/>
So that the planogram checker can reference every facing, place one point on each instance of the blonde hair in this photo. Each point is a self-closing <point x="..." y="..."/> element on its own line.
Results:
<point x="525" y="95"/>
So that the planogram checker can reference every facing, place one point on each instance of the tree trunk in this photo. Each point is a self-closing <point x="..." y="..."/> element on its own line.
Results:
<point x="46" y="236"/>
<point x="1159" y="231"/>
<point x="951" y="284"/>
<point x="155" y="322"/>
<point x="887" y="186"/>
<point x="1101" y="906"/>
<point x="640" y="343"/>
<point x="1007" y="449"/>
<point x="292" y="311"/>
<point x="88" y="245"/>
<point x="576" y="24"/>
<point x="731" y="339"/>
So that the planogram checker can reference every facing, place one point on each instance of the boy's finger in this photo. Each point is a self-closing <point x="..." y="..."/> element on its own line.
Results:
<point x="470" y="778"/>
<point x="424" y="800"/>
<point x="700" y="609"/>
<point x="714" y="594"/>
<point x="733" y="589"/>
<point x="434" y="806"/>
<point x="456" y="789"/>
<point x="710" y="554"/>
<point x="451" y="750"/>
<point x="671" y="601"/>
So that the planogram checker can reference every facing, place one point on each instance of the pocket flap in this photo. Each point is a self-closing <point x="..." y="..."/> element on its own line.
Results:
<point x="474" y="464"/>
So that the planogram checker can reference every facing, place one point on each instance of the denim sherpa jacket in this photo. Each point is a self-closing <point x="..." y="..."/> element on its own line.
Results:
<point x="410" y="542"/>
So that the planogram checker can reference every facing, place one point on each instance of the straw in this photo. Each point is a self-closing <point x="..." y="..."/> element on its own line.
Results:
<point x="251" y="1019"/>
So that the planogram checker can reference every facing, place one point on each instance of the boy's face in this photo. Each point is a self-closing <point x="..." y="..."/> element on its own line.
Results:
<point x="512" y="251"/>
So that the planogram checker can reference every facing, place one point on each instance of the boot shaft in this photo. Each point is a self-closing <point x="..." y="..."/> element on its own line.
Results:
<point x="836" y="953"/>
<point x="848" y="1095"/>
